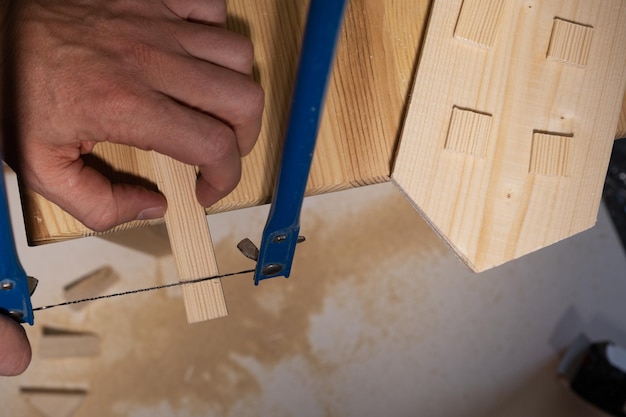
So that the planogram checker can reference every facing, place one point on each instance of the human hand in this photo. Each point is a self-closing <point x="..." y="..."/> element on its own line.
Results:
<point x="15" y="352"/>
<point x="163" y="75"/>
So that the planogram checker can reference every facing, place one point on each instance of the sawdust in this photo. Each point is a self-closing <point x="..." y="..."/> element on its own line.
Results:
<point x="162" y="360"/>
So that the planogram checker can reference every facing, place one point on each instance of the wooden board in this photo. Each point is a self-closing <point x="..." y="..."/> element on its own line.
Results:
<point x="621" y="126"/>
<point x="190" y="239"/>
<point x="54" y="402"/>
<point x="360" y="124"/>
<point x="511" y="122"/>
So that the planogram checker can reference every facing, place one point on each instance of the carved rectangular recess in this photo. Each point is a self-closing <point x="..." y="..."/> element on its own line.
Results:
<point x="479" y="21"/>
<point x="570" y="42"/>
<point x="468" y="132"/>
<point x="550" y="154"/>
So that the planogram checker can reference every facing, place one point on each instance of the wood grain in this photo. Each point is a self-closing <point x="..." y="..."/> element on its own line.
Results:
<point x="554" y="99"/>
<point x="360" y="125"/>
<point x="621" y="126"/>
<point x="190" y="239"/>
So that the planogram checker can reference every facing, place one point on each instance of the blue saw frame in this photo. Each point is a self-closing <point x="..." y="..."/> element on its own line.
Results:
<point x="14" y="289"/>
<point x="280" y="236"/>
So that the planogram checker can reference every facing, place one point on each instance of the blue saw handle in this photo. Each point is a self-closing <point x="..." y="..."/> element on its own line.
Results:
<point x="278" y="243"/>
<point x="14" y="290"/>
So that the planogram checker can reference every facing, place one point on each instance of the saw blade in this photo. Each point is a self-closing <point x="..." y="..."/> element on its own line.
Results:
<point x="140" y="290"/>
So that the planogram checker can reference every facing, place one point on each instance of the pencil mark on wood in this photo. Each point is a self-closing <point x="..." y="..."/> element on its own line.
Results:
<point x="469" y="132"/>
<point x="478" y="22"/>
<point x="570" y="43"/>
<point x="550" y="154"/>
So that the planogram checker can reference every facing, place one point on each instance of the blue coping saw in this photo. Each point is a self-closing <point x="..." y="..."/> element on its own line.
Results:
<point x="280" y="236"/>
<point x="281" y="233"/>
<point x="15" y="286"/>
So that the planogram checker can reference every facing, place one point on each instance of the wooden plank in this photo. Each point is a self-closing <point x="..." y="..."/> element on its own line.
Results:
<point x="190" y="239"/>
<point x="508" y="136"/>
<point x="621" y="126"/>
<point x="60" y="343"/>
<point x="360" y="124"/>
<point x="54" y="402"/>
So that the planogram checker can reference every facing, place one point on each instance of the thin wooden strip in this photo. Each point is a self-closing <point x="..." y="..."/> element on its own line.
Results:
<point x="190" y="239"/>
<point x="60" y="343"/>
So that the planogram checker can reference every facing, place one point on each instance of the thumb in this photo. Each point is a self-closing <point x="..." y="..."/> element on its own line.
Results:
<point x="92" y="199"/>
<point x="15" y="352"/>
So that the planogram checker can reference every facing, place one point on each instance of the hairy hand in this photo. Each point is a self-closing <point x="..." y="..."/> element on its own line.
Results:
<point x="163" y="75"/>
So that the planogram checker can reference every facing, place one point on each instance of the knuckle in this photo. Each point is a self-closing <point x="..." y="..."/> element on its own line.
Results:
<point x="119" y="115"/>
<point x="246" y="54"/>
<point x="223" y="144"/>
<point x="100" y="220"/>
<point x="251" y="103"/>
<point x="220" y="10"/>
<point x="256" y="100"/>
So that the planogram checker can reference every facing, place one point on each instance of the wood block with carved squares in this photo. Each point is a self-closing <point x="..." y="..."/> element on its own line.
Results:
<point x="570" y="42"/>
<point x="554" y="100"/>
<point x="486" y="12"/>
<point x="550" y="154"/>
<point x="469" y="132"/>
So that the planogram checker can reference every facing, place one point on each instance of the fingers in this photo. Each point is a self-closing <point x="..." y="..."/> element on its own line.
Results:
<point x="180" y="87"/>
<point x="91" y="198"/>
<point x="212" y="12"/>
<point x="218" y="179"/>
<point x="15" y="351"/>
<point x="228" y="96"/>
<point x="217" y="78"/>
<point x="217" y="45"/>
<point x="165" y="126"/>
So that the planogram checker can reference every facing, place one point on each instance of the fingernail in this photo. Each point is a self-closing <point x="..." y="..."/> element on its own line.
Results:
<point x="151" y="213"/>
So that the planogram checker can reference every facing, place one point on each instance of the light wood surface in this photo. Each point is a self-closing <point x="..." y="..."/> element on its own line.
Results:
<point x="190" y="239"/>
<point x="621" y="126"/>
<point x="511" y="122"/>
<point x="360" y="124"/>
